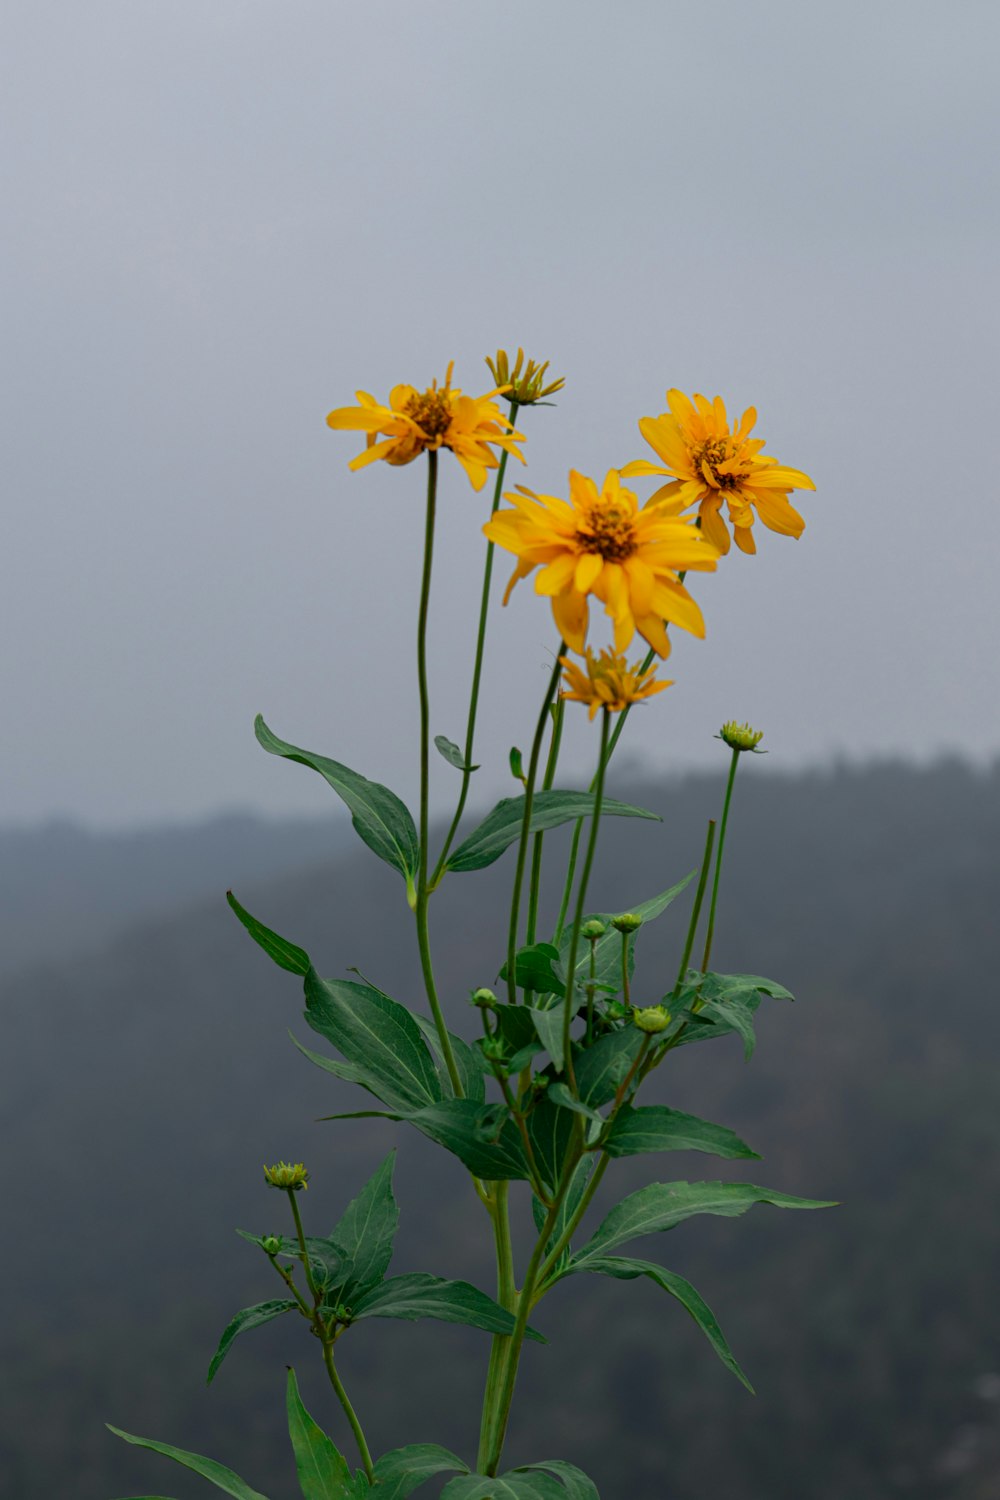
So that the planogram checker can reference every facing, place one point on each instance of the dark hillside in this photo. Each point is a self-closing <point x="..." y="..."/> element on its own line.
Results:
<point x="143" y="1086"/>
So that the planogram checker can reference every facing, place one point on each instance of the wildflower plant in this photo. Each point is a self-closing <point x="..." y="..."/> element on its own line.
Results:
<point x="547" y="1098"/>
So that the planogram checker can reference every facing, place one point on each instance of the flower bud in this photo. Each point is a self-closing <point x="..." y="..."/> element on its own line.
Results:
<point x="523" y="383"/>
<point x="271" y="1244"/>
<point x="484" y="998"/>
<point x="627" y="922"/>
<point x="290" y="1176"/>
<point x="617" y="1010"/>
<point x="651" y="1020"/>
<point x="493" y="1048"/>
<point x="593" y="930"/>
<point x="741" y="736"/>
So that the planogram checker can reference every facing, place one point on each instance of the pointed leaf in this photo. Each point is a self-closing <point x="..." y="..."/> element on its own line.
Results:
<point x="731" y="1016"/>
<point x="250" y="1317"/>
<point x="577" y="1485"/>
<point x="550" y="1130"/>
<point x="694" y="1029"/>
<point x="602" y="1067"/>
<point x="482" y="1136"/>
<point x="399" y="1473"/>
<point x="625" y="1269"/>
<point x="366" y="1230"/>
<point x="217" y="1474"/>
<point x="321" y="1468"/>
<point x="560" y="1095"/>
<point x="662" y="1205"/>
<point x="653" y="1127"/>
<point x="351" y="1074"/>
<point x="285" y="954"/>
<point x="452" y="753"/>
<point x="502" y="826"/>
<point x="375" y="1033"/>
<point x="549" y="1026"/>
<point x="468" y="1060"/>
<point x="378" y="815"/>
<point x="608" y="949"/>
<point x="517" y="1485"/>
<point x="567" y="1209"/>
<point x="533" y="969"/>
<point x="422" y="1296"/>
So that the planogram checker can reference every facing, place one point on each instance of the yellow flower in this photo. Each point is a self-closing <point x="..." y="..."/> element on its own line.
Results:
<point x="523" y="386"/>
<point x="741" y="736"/>
<point x="416" y="422"/>
<point x="601" y="543"/>
<point x="710" y="463"/>
<point x="608" y="682"/>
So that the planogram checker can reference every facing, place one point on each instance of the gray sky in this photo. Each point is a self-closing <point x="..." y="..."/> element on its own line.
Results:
<point x="223" y="217"/>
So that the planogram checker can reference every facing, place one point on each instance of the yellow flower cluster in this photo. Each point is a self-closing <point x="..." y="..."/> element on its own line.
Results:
<point x="607" y="681"/>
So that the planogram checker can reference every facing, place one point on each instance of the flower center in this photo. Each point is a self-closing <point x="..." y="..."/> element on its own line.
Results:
<point x="710" y="455"/>
<point x="608" y="531"/>
<point x="431" y="411"/>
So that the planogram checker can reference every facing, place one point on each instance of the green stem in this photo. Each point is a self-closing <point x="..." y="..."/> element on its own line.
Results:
<point x="581" y="898"/>
<point x="573" y="1222"/>
<point x="314" y="1293"/>
<point x="423" y="935"/>
<point x="349" y="1412"/>
<point x="477" y="671"/>
<point x="699" y="898"/>
<point x="522" y="847"/>
<point x="625" y="985"/>
<point x="536" y="853"/>
<point x="507" y="1297"/>
<point x="718" y="861"/>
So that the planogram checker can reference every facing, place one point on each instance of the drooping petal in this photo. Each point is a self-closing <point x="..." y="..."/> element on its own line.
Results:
<point x="776" y="513"/>
<point x="569" y="610"/>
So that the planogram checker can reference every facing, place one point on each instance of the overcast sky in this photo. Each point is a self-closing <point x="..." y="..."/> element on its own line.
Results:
<point x="223" y="216"/>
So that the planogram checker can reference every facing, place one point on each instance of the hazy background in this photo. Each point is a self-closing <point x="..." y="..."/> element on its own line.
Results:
<point x="219" y="220"/>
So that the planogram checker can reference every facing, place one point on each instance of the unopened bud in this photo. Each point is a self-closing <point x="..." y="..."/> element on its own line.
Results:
<point x="493" y="1048"/>
<point x="627" y="922"/>
<point x="271" y="1244"/>
<point x="484" y="998"/>
<point x="290" y="1176"/>
<point x="593" y="930"/>
<point x="741" y="736"/>
<point x="617" y="1010"/>
<point x="653" y="1019"/>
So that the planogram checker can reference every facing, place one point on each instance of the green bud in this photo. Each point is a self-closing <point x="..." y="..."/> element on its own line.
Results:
<point x="271" y="1244"/>
<point x="653" y="1019"/>
<point x="517" y="765"/>
<point x="484" y="998"/>
<point x="617" y="1010"/>
<point x="627" y="922"/>
<point x="741" y="736"/>
<point x="493" y="1048"/>
<point x="290" y="1176"/>
<point x="593" y="930"/>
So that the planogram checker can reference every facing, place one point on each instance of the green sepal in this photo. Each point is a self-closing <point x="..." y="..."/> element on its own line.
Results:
<point x="452" y="753"/>
<point x="250" y="1317"/>
<point x="626" y="1269"/>
<point x="376" y="1034"/>
<point x="662" y="1205"/>
<point x="502" y="827"/>
<point x="421" y="1296"/>
<point x="399" y="1473"/>
<point x="322" y="1470"/>
<point x="380" y="819"/>
<point x="285" y="954"/>
<point x="636" y="1130"/>
<point x="215" y="1473"/>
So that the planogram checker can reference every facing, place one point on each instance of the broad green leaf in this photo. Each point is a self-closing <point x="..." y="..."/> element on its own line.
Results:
<point x="608" y="949"/>
<point x="516" y="1025"/>
<point x="653" y="1127"/>
<point x="452" y="753"/>
<point x="567" y="1209"/>
<point x="602" y="1067"/>
<point x="373" y="1032"/>
<point x="285" y="954"/>
<point x="422" y="1296"/>
<point x="482" y="1136"/>
<point x="549" y="1026"/>
<point x="696" y="1030"/>
<point x="626" y="1269"/>
<point x="533" y="969"/>
<point x="560" y="1095"/>
<point x="250" y="1317"/>
<point x="577" y="1485"/>
<point x="366" y="1230"/>
<point x="550" y="1130"/>
<point x="217" y="1474"/>
<point x="662" y="1205"/>
<point x="322" y="1469"/>
<point x="731" y="1016"/>
<point x="468" y="1060"/>
<point x="378" y="815"/>
<point x="352" y="1074"/>
<point x="724" y="986"/>
<point x="399" y="1473"/>
<point x="502" y="826"/>
<point x="517" y="1485"/>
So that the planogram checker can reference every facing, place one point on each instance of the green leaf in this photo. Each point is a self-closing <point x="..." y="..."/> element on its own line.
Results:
<point x="373" y="1032"/>
<point x="697" y="1030"/>
<point x="626" y="1269"/>
<point x="577" y="1485"/>
<point x="350" y="1074"/>
<point x="560" y="1095"/>
<point x="601" y="1067"/>
<point x="732" y="1016"/>
<point x="421" y="1296"/>
<point x="568" y="1208"/>
<point x="533" y="969"/>
<point x="452" y="753"/>
<point x="217" y="1474"/>
<point x="725" y="986"/>
<point x="483" y="1137"/>
<point x="321" y="1467"/>
<point x="366" y="1231"/>
<point x="399" y="1473"/>
<point x="608" y="949"/>
<point x="516" y="1485"/>
<point x="549" y="1026"/>
<point x="501" y="827"/>
<point x="653" y="1127"/>
<point x="250" y="1317"/>
<point x="285" y="954"/>
<point x="515" y="1025"/>
<point x="378" y="815"/>
<point x="550" y="1130"/>
<point x="468" y="1060"/>
<point x="662" y="1205"/>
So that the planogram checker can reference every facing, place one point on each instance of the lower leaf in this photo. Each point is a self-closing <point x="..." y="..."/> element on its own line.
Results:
<point x="217" y="1474"/>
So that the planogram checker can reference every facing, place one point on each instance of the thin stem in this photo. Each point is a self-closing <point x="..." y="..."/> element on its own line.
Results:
<point x="625" y="985"/>
<point x="422" y="893"/>
<point x="573" y="1222"/>
<point x="507" y="1297"/>
<point x="522" y="847"/>
<point x="536" y="853"/>
<point x="349" y="1412"/>
<point x="519" y="1121"/>
<point x="302" y="1247"/>
<point x="477" y="671"/>
<point x="581" y="898"/>
<point x="699" y="898"/>
<point x="718" y="861"/>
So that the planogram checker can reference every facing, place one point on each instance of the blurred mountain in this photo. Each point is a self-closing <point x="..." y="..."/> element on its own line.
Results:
<point x="142" y="1085"/>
